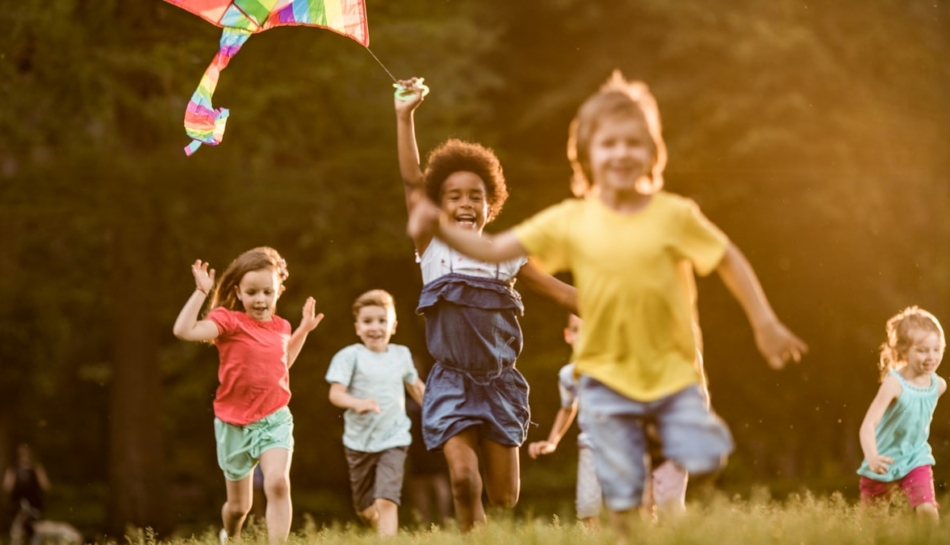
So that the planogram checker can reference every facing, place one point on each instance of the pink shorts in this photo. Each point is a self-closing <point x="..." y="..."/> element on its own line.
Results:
<point x="918" y="487"/>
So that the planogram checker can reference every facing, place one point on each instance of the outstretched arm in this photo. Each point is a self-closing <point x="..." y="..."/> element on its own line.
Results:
<point x="544" y="284"/>
<point x="426" y="219"/>
<point x="889" y="391"/>
<point x="187" y="326"/>
<point x="565" y="415"/>
<point x="405" y="105"/>
<point x="343" y="400"/>
<point x="776" y="343"/>
<point x="308" y="322"/>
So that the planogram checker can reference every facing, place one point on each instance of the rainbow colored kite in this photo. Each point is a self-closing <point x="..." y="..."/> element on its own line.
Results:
<point x="241" y="18"/>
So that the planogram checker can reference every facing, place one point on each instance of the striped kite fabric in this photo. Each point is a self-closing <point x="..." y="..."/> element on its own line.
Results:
<point x="241" y="18"/>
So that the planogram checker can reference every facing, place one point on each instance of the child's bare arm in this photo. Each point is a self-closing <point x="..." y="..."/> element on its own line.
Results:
<point x="889" y="391"/>
<point x="408" y="150"/>
<point x="426" y="217"/>
<point x="308" y="322"/>
<point x="187" y="325"/>
<point x="776" y="343"/>
<point x="563" y="420"/>
<point x="544" y="284"/>
<point x="416" y="390"/>
<point x="343" y="400"/>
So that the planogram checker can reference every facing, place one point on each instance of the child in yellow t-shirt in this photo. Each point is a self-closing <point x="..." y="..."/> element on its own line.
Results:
<point x="632" y="249"/>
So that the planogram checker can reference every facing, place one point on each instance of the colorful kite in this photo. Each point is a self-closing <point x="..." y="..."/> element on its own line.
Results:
<point x="241" y="18"/>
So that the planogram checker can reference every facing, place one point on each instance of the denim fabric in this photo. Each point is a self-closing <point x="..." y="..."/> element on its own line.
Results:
<point x="473" y="333"/>
<point x="694" y="438"/>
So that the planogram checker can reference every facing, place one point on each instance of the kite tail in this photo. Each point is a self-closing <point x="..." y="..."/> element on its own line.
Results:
<point x="203" y="123"/>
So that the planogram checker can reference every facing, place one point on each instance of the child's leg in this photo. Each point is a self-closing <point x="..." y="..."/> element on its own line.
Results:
<point x="589" y="495"/>
<point x="918" y="487"/>
<point x="669" y="488"/>
<point x="275" y="463"/>
<point x="387" y="512"/>
<point x="462" y="457"/>
<point x="502" y="474"/>
<point x="238" y="504"/>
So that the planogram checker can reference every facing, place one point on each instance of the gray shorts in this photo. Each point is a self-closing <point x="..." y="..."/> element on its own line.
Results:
<point x="375" y="475"/>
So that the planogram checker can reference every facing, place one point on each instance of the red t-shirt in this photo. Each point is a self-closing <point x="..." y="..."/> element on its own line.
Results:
<point x="253" y="369"/>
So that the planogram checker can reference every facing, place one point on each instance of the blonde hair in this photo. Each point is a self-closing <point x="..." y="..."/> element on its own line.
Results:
<point x="261" y="258"/>
<point x="616" y="97"/>
<point x="900" y="337"/>
<point x="374" y="298"/>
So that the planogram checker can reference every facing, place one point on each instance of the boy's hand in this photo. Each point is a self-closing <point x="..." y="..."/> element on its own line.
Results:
<point x="880" y="464"/>
<point x="423" y="216"/>
<point x="204" y="278"/>
<point x="409" y="94"/>
<point x="540" y="448"/>
<point x="309" y="321"/>
<point x="366" y="405"/>
<point x="778" y="345"/>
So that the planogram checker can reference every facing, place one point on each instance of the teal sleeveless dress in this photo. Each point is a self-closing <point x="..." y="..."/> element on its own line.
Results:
<point x="904" y="429"/>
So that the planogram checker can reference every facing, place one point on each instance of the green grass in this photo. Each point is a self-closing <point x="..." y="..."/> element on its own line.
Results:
<point x="802" y="518"/>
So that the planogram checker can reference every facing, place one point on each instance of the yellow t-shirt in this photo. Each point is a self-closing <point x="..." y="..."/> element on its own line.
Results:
<point x="635" y="286"/>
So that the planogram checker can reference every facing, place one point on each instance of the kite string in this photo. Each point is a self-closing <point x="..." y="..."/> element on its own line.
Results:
<point x="382" y="65"/>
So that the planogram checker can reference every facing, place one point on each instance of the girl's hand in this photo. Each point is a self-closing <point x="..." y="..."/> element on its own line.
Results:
<point x="424" y="216"/>
<point x="410" y="94"/>
<point x="366" y="405"/>
<point x="309" y="321"/>
<point x="204" y="278"/>
<point x="779" y="345"/>
<point x="880" y="464"/>
<point x="540" y="448"/>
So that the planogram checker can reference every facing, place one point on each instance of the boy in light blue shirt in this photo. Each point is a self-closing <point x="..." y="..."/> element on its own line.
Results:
<point x="369" y="380"/>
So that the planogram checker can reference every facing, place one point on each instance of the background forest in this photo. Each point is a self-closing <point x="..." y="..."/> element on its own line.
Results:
<point x="817" y="135"/>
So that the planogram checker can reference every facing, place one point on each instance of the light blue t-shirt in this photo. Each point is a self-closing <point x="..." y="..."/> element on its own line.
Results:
<point x="904" y="429"/>
<point x="381" y="376"/>
<point x="567" y="385"/>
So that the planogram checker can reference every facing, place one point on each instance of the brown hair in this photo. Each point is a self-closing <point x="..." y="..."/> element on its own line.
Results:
<point x="374" y="298"/>
<point x="224" y="294"/>
<point x="900" y="336"/>
<point x="455" y="155"/>
<point x="616" y="97"/>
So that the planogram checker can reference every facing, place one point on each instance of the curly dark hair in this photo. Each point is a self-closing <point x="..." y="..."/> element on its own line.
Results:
<point x="456" y="155"/>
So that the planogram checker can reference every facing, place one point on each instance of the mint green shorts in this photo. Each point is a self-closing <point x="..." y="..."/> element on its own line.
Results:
<point x="240" y="447"/>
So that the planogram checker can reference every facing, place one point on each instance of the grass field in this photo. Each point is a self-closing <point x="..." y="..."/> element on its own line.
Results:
<point x="802" y="518"/>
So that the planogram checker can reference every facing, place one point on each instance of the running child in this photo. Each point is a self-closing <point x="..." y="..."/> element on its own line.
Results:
<point x="476" y="402"/>
<point x="632" y="249"/>
<point x="666" y="485"/>
<point x="367" y="379"/>
<point x="256" y="348"/>
<point x="897" y="425"/>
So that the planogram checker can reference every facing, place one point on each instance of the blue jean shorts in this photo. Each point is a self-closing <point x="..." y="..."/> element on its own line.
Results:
<point x="691" y="435"/>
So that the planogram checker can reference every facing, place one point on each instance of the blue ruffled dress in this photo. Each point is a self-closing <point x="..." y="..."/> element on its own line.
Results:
<point x="472" y="332"/>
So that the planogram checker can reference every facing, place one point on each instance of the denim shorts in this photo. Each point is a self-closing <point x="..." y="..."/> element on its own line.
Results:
<point x="690" y="434"/>
<point x="240" y="447"/>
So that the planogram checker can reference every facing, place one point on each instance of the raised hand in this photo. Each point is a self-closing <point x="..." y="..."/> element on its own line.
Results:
<point x="409" y="94"/>
<point x="204" y="277"/>
<point x="310" y="320"/>
<point x="778" y="345"/>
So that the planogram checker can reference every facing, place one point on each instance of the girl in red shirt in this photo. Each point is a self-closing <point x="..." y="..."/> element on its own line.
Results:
<point x="256" y="348"/>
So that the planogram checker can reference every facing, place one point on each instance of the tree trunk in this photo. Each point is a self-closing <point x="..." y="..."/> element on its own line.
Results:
<point x="136" y="473"/>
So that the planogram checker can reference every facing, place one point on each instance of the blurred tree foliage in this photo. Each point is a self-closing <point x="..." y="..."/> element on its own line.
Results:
<point x="814" y="135"/>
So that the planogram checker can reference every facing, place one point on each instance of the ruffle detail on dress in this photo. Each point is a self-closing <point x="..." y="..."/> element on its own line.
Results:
<point x="470" y="291"/>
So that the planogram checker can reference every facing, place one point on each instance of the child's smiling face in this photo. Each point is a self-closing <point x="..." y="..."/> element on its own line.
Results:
<point x="258" y="292"/>
<point x="375" y="325"/>
<point x="465" y="200"/>
<point x="924" y="355"/>
<point x="621" y="153"/>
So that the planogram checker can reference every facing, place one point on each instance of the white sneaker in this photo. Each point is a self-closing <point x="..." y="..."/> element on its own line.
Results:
<point x="223" y="536"/>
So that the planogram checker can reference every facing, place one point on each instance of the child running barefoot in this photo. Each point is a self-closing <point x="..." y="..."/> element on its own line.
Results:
<point x="897" y="425"/>
<point x="256" y="348"/>
<point x="476" y="402"/>
<point x="632" y="249"/>
<point x="367" y="379"/>
<point x="666" y="486"/>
